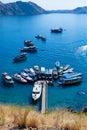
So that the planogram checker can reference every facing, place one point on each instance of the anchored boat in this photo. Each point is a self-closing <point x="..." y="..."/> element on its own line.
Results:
<point x="20" y="57"/>
<point x="7" y="80"/>
<point x="57" y="30"/>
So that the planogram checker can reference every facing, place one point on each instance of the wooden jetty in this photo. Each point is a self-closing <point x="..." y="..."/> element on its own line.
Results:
<point x="44" y="96"/>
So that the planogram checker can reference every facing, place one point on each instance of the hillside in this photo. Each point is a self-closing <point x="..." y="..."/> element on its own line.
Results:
<point x="79" y="10"/>
<point x="30" y="8"/>
<point x="25" y="118"/>
<point x="20" y="8"/>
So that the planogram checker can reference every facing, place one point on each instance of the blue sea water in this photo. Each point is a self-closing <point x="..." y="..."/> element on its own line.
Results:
<point x="70" y="47"/>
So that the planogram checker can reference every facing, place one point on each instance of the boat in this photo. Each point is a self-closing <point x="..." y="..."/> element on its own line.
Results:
<point x="28" y="43"/>
<point x="71" y="75"/>
<point x="7" y="80"/>
<point x="37" y="69"/>
<point x="19" y="78"/>
<point x="57" y="30"/>
<point x="57" y="64"/>
<point x="50" y="74"/>
<point x="32" y="74"/>
<point x="50" y="83"/>
<point x="54" y="74"/>
<point x="29" y="49"/>
<point x="38" y="36"/>
<point x="70" y="70"/>
<point x="66" y="67"/>
<point x="41" y="37"/>
<point x="47" y="74"/>
<point x="20" y="57"/>
<point x="27" y="77"/>
<point x="43" y="73"/>
<point x="37" y="90"/>
<point x="70" y="81"/>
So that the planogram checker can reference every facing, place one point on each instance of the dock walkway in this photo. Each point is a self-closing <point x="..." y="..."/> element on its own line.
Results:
<point x="43" y="105"/>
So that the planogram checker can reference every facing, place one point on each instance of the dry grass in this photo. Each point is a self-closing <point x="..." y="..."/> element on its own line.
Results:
<point x="27" y="117"/>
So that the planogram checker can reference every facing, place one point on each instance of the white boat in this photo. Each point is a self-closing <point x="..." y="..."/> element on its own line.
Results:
<point x="19" y="78"/>
<point x="7" y="80"/>
<point x="26" y="77"/>
<point x="43" y="72"/>
<point x="32" y="74"/>
<point x="68" y="70"/>
<point x="37" y="90"/>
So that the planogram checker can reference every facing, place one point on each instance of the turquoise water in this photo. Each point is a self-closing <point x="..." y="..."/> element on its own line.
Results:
<point x="70" y="47"/>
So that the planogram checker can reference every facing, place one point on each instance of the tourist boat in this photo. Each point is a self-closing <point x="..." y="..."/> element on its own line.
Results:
<point x="43" y="73"/>
<point x="37" y="69"/>
<point x="27" y="77"/>
<point x="55" y="74"/>
<point x="57" y="64"/>
<point x="28" y="43"/>
<point x="7" y="80"/>
<point x="20" y="57"/>
<point x="29" y="49"/>
<point x="70" y="81"/>
<point x="19" y="78"/>
<point x="37" y="90"/>
<point x="57" y="30"/>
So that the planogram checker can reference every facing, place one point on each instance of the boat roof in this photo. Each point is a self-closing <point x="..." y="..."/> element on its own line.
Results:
<point x="42" y="69"/>
<point x="50" y="71"/>
<point x="37" y="87"/>
<point x="8" y="77"/>
<point x="4" y="73"/>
